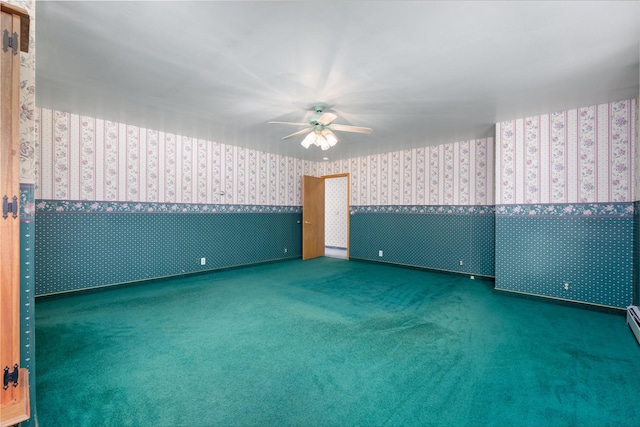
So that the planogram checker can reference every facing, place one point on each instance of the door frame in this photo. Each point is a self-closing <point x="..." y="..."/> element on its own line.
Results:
<point x="348" y="175"/>
<point x="15" y="405"/>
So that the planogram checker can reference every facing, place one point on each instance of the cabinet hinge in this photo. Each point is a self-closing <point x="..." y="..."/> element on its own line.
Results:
<point x="11" y="376"/>
<point x="9" y="207"/>
<point x="10" y="42"/>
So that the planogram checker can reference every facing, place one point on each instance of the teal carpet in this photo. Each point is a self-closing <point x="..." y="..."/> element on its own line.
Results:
<point x="329" y="342"/>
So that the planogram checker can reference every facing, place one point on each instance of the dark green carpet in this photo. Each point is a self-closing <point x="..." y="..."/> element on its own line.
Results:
<point x="329" y="342"/>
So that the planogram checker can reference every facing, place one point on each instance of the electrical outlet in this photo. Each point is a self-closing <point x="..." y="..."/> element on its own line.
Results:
<point x="472" y="277"/>
<point x="379" y="253"/>
<point x="460" y="262"/>
<point x="285" y="250"/>
<point x="203" y="261"/>
<point x="566" y="286"/>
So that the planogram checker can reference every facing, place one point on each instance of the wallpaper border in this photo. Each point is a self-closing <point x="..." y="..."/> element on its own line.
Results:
<point x="569" y="210"/>
<point x="426" y="209"/>
<point x="68" y="206"/>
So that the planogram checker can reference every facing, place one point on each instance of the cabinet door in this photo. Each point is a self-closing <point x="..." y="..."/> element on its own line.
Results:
<point x="14" y="389"/>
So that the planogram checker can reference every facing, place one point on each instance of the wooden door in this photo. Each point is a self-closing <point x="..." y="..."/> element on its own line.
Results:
<point x="312" y="217"/>
<point x="14" y="390"/>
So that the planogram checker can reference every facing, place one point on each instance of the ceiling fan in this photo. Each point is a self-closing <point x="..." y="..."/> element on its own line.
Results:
<point x="319" y="127"/>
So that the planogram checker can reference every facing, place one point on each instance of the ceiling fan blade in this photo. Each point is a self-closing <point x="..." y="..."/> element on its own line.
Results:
<point x="289" y="123"/>
<point x="300" y="132"/>
<point x="326" y="118"/>
<point x="347" y="128"/>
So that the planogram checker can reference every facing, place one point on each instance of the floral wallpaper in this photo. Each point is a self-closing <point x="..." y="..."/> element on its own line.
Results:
<point x="584" y="155"/>
<point x="27" y="100"/>
<point x="459" y="173"/>
<point x="577" y="156"/>
<point x="84" y="158"/>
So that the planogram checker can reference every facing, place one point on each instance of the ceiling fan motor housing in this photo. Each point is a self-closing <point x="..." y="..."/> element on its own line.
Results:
<point x="313" y="117"/>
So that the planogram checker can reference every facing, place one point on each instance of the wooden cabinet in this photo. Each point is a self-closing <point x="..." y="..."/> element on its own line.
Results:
<point x="14" y="390"/>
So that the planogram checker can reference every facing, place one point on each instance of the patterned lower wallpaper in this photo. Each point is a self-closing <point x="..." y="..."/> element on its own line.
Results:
<point x="451" y="238"/>
<point x="532" y="249"/>
<point x="27" y="294"/>
<point x="27" y="285"/>
<point x="78" y="246"/>
<point x="575" y="252"/>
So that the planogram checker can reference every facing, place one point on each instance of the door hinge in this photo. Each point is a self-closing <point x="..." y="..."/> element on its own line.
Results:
<point x="9" y="207"/>
<point x="10" y="42"/>
<point x="11" y="376"/>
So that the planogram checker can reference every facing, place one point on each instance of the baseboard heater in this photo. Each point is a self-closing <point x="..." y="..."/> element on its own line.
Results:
<point x="633" y="320"/>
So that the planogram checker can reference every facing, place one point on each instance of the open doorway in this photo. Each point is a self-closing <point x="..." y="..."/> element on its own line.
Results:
<point x="336" y="216"/>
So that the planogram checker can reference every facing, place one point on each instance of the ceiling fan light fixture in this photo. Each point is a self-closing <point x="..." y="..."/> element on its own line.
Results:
<point x="308" y="140"/>
<point x="322" y="142"/>
<point x="331" y="139"/>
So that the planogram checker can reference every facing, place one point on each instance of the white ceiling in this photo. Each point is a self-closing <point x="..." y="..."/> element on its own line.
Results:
<point x="418" y="73"/>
